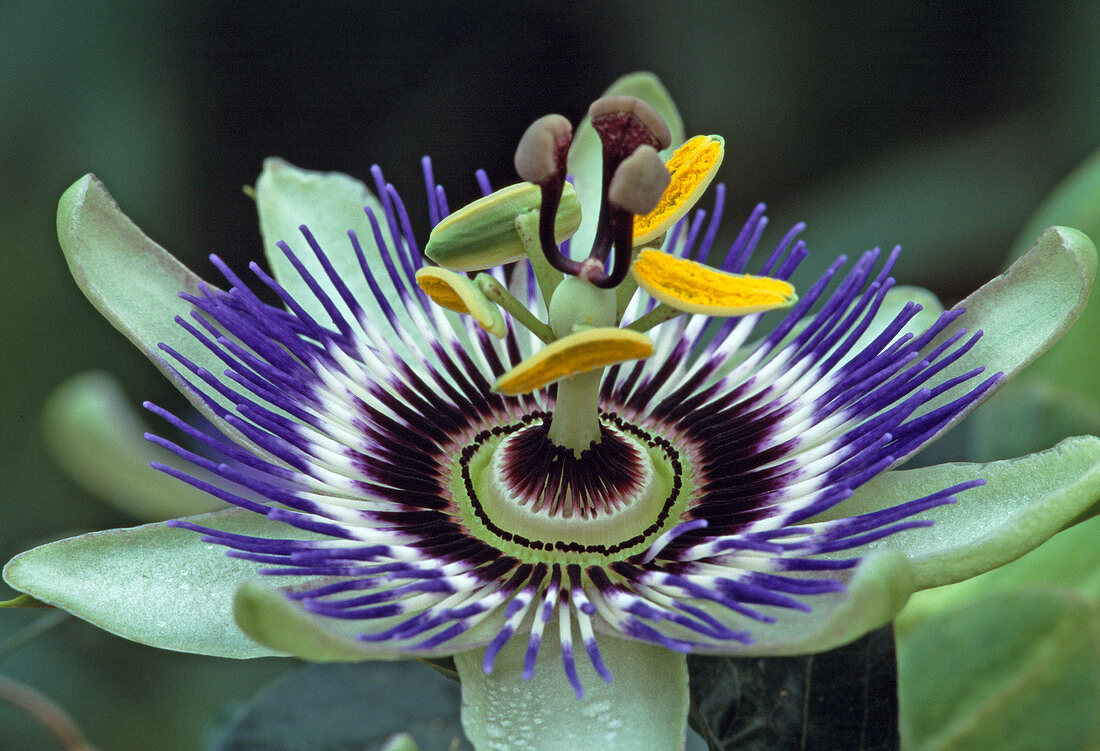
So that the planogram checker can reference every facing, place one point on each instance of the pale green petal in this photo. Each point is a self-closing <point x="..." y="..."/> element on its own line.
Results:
<point x="1070" y="559"/>
<point x="875" y="591"/>
<point x="643" y="709"/>
<point x="1024" y="310"/>
<point x="95" y="435"/>
<point x="269" y="618"/>
<point x="133" y="282"/>
<point x="329" y="204"/>
<point x="1023" y="503"/>
<point x="585" y="154"/>
<point x="153" y="584"/>
<point x="274" y="620"/>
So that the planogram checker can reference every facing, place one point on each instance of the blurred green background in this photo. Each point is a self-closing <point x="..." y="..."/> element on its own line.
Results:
<point x="937" y="125"/>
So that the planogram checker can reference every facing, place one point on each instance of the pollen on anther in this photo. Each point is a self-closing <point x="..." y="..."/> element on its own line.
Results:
<point x="580" y="352"/>
<point x="692" y="167"/>
<point x="454" y="291"/>
<point x="694" y="288"/>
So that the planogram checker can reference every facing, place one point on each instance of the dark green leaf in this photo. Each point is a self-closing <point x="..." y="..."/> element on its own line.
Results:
<point x="843" y="699"/>
<point x="445" y="666"/>
<point x="24" y="601"/>
<point x="1014" y="670"/>
<point x="340" y="707"/>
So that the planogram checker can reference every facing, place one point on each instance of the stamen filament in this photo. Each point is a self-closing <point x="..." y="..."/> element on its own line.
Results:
<point x="660" y="314"/>
<point x="497" y="292"/>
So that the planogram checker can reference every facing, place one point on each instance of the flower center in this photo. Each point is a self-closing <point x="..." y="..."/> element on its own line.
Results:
<point x="542" y="503"/>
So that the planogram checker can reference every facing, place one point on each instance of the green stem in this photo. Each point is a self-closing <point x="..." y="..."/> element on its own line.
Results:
<point x="578" y="305"/>
<point x="48" y="714"/>
<point x="497" y="292"/>
<point x="548" y="278"/>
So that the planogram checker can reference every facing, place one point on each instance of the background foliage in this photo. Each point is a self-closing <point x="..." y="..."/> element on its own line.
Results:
<point x="937" y="125"/>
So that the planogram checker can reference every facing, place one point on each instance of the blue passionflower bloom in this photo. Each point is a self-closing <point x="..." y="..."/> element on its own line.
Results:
<point x="581" y="448"/>
<point x="449" y="517"/>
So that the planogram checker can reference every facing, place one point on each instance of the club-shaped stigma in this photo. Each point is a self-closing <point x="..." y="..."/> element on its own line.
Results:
<point x="634" y="179"/>
<point x="625" y="124"/>
<point x="635" y="188"/>
<point x="541" y="159"/>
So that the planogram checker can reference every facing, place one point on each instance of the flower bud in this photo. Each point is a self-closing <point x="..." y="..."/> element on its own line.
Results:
<point x="483" y="234"/>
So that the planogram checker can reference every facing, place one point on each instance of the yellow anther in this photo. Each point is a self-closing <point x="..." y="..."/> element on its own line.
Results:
<point x="692" y="167"/>
<point x="695" y="288"/>
<point x="456" y="292"/>
<point x="579" y="352"/>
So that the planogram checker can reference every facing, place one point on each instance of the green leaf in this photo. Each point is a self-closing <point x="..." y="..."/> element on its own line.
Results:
<point x="95" y="435"/>
<point x="643" y="709"/>
<point x="153" y="584"/>
<point x="338" y="707"/>
<point x="135" y="284"/>
<point x="329" y="204"/>
<point x="1011" y="671"/>
<point x="1031" y="414"/>
<point x="1074" y="202"/>
<point x="586" y="151"/>
<point x="1058" y="395"/>
<point x="1074" y="364"/>
<point x="953" y="200"/>
<point x="24" y="601"/>
<point x="1023" y="503"/>
<point x="1024" y="310"/>
<point x="842" y="699"/>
